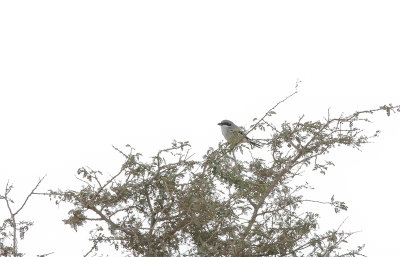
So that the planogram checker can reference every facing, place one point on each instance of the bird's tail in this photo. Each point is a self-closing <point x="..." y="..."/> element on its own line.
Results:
<point x="254" y="143"/>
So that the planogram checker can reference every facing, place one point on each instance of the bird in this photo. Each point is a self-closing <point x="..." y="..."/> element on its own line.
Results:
<point x="230" y="131"/>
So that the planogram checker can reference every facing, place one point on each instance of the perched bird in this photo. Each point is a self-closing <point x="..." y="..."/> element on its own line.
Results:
<point x="231" y="132"/>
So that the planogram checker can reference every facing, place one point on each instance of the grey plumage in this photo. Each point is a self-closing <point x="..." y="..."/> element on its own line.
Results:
<point x="230" y="131"/>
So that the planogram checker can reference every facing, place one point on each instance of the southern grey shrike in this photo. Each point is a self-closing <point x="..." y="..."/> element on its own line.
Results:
<point x="230" y="131"/>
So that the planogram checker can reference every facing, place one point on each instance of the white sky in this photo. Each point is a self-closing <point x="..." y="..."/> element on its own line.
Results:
<point x="79" y="76"/>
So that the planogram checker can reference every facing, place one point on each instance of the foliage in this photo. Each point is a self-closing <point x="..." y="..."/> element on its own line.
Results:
<point x="222" y="205"/>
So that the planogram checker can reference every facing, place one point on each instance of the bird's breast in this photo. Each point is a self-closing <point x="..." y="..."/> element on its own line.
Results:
<point x="226" y="132"/>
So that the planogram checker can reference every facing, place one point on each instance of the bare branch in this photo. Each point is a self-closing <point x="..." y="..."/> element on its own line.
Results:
<point x="29" y="195"/>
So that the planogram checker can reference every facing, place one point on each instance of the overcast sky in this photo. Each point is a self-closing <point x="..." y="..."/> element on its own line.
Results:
<point x="77" y="77"/>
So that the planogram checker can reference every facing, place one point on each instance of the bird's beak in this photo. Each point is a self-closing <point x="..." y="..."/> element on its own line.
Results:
<point x="219" y="124"/>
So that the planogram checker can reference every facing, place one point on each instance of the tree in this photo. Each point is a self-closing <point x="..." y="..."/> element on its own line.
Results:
<point x="230" y="203"/>
<point x="221" y="205"/>
<point x="11" y="229"/>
